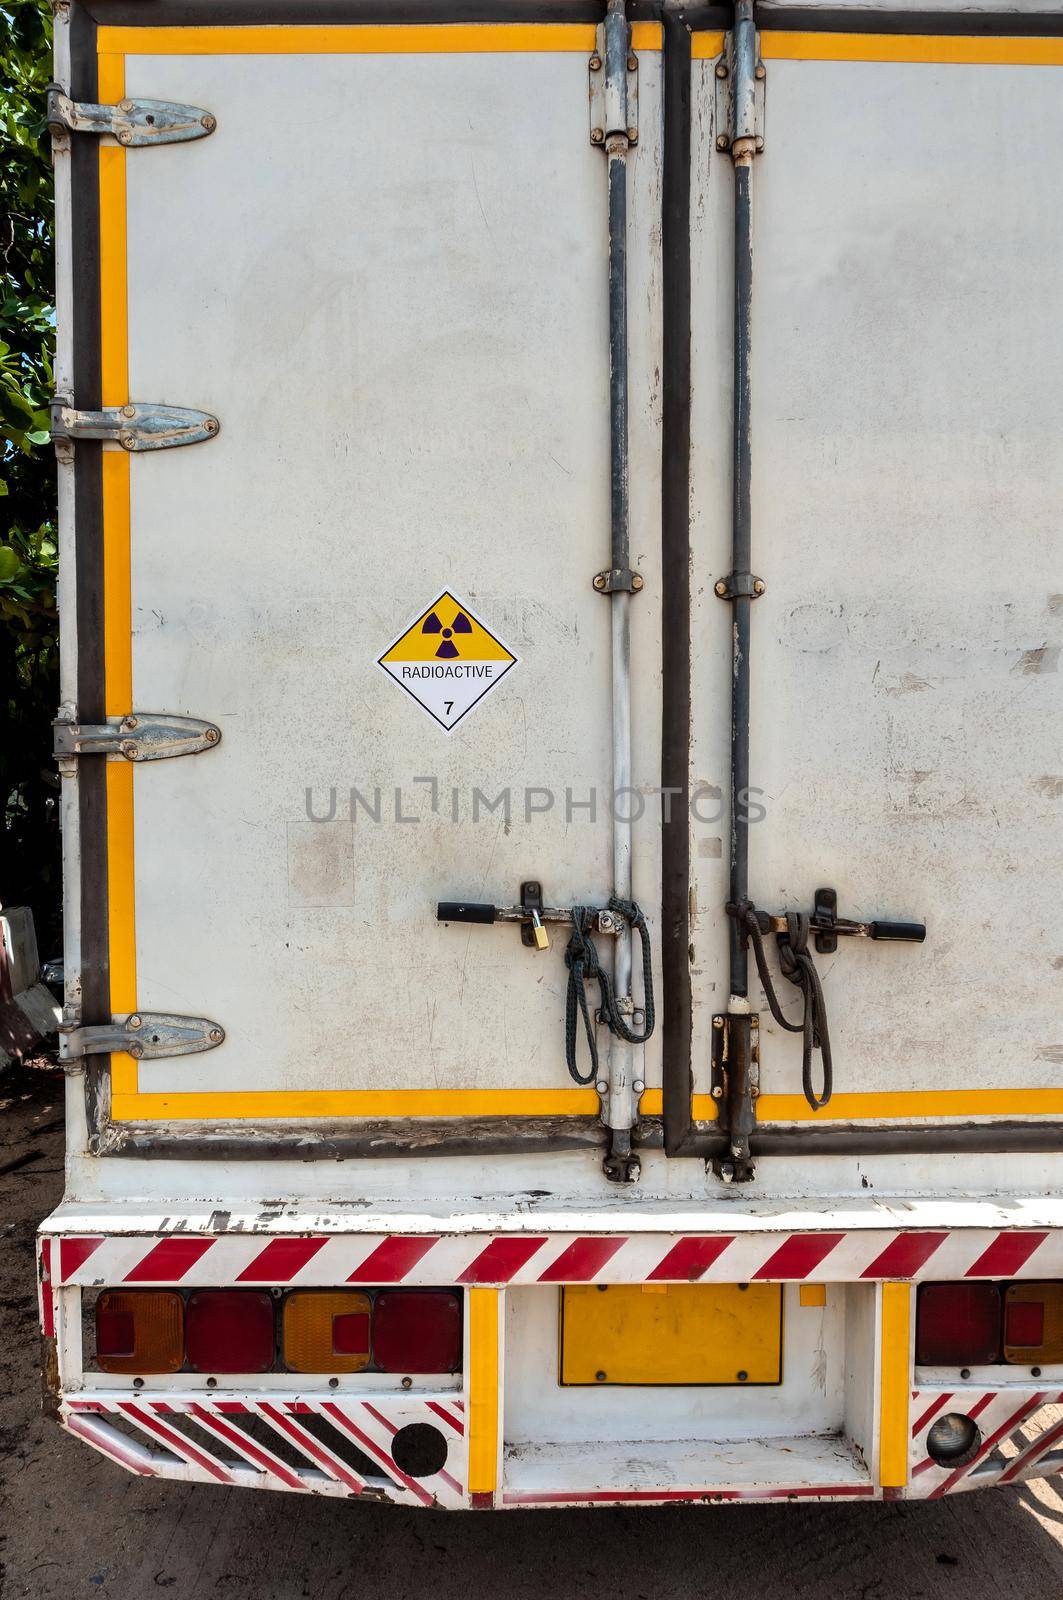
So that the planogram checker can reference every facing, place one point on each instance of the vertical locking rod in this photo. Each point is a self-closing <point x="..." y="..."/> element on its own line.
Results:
<point x="739" y="1108"/>
<point x="621" y="1101"/>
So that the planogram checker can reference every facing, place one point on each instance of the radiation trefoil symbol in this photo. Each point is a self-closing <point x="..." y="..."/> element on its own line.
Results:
<point x="447" y="660"/>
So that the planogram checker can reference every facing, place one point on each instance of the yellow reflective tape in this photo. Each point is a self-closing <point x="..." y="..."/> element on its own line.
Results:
<point x="483" y="1376"/>
<point x="933" y="49"/>
<point x="907" y="1103"/>
<point x="117" y="596"/>
<point x="114" y="313"/>
<point x="438" y="38"/>
<point x="706" y="46"/>
<point x="295" y="1104"/>
<point x="120" y="910"/>
<point x="812" y="1294"/>
<point x="895" y="1377"/>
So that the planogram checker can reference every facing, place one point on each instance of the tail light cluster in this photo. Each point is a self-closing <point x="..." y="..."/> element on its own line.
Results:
<point x="982" y="1324"/>
<point x="327" y="1331"/>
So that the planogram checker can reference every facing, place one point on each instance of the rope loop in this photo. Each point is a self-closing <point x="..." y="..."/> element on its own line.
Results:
<point x="584" y="967"/>
<point x="796" y="965"/>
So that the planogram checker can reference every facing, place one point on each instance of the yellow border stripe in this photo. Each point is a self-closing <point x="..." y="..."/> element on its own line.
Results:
<point x="931" y="48"/>
<point x="914" y="1103"/>
<point x="117" y="587"/>
<point x="706" y="46"/>
<point x="297" y="1104"/>
<point x="895" y="1377"/>
<point x="441" y="38"/>
<point x="484" y="1367"/>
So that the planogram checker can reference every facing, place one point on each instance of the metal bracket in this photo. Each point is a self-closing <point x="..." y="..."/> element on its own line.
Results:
<point x="131" y="122"/>
<point x="612" y="115"/>
<point x="618" y="579"/>
<point x="726" y="132"/>
<point x="142" y="736"/>
<point x="740" y="585"/>
<point x="134" y="427"/>
<point x="825" y="917"/>
<point x="144" y="1035"/>
<point x="735" y="1086"/>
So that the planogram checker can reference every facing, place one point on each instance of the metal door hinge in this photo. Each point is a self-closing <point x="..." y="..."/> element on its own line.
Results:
<point x="141" y="736"/>
<point x="131" y="122"/>
<point x="734" y="121"/>
<point x="144" y="1035"/>
<point x="614" y="106"/>
<point x="134" y="427"/>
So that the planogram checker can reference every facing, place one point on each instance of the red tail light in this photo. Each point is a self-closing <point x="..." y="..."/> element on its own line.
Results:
<point x="229" y="1330"/>
<point x="417" y="1330"/>
<point x="958" y="1324"/>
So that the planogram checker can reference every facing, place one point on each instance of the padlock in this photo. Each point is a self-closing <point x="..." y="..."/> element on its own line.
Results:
<point x="539" y="933"/>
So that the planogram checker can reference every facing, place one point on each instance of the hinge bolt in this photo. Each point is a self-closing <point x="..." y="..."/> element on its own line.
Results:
<point x="125" y="137"/>
<point x="721" y="588"/>
<point x="212" y="735"/>
<point x="637" y="582"/>
<point x="602" y="1086"/>
<point x="215" y="1036"/>
<point x="721" y="69"/>
<point x="633" y="135"/>
<point x="134" y="1021"/>
<point x="632" y="63"/>
<point x="761" y="71"/>
<point x="595" y="63"/>
<point x="597" y="135"/>
<point x="758" y="586"/>
<point x="129" y="411"/>
<point x="638" y="1086"/>
<point x="209" y="122"/>
<point x="759" y="142"/>
<point x="125" y="105"/>
<point x="722" y="141"/>
<point x="599" y="581"/>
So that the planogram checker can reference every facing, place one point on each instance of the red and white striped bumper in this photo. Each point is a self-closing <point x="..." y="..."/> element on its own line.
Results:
<point x="283" y="1438"/>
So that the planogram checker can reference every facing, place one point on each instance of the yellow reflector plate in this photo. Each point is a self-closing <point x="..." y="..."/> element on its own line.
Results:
<point x="705" y="1333"/>
<point x="327" y="1330"/>
<point x="1049" y="1296"/>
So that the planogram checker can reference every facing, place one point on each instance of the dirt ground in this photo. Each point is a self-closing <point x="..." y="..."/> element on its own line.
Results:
<point x="73" y="1524"/>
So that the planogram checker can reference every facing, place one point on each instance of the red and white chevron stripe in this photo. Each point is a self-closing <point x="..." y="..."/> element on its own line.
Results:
<point x="88" y="1260"/>
<point x="1020" y="1428"/>
<point x="200" y="1438"/>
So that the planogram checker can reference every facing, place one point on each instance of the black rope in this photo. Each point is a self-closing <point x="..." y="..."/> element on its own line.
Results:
<point x="796" y="963"/>
<point x="584" y="967"/>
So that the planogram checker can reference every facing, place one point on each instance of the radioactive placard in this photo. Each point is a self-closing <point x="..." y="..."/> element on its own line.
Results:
<point x="447" y="660"/>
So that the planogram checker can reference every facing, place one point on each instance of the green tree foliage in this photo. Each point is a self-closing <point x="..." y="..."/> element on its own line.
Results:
<point x="29" y="847"/>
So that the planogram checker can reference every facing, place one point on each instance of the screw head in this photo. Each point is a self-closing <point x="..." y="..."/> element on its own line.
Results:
<point x="965" y="1372"/>
<point x="138" y="1383"/>
<point x="125" y="136"/>
<point x="717" y="1091"/>
<point x="633" y="135"/>
<point x="407" y="1383"/>
<point x="129" y="411"/>
<point x="638" y="1086"/>
<point x="721" y="69"/>
<point x="215" y="1036"/>
<point x="130" y="750"/>
<point x="761" y="70"/>
<point x="599" y="1377"/>
<point x="632" y="63"/>
<point x="717" y="1022"/>
<point x="129" y="723"/>
<point x="209" y="122"/>
<point x="127" y="441"/>
<point x="599" y="581"/>
<point x="134" y="1021"/>
<point x="602" y="1086"/>
<point x="595" y="63"/>
<point x="742" y="1376"/>
<point x="212" y="424"/>
<point x="722" y="141"/>
<point x="212" y="735"/>
<point x="759" y="142"/>
<point x="758" y="587"/>
<point x="637" y="582"/>
<point x="334" y="1383"/>
<point x="125" y="105"/>
<point x="597" y="135"/>
<point x="212" y="1383"/>
<point x="721" y="588"/>
<point x="136" y="1050"/>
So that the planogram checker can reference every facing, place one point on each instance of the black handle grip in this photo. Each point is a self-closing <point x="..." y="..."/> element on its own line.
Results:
<point x="464" y="911"/>
<point x="911" y="932"/>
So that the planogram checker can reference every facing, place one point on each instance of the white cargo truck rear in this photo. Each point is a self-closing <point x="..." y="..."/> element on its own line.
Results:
<point x="560" y="743"/>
